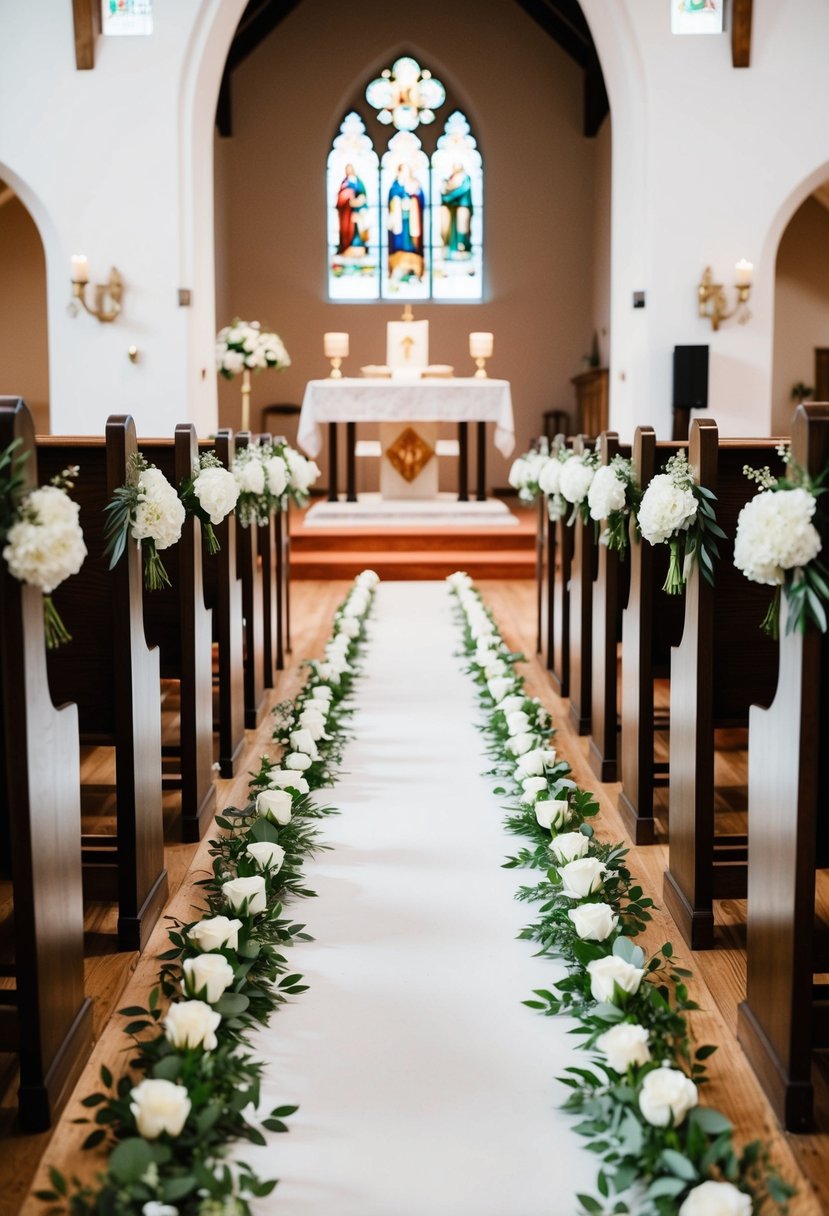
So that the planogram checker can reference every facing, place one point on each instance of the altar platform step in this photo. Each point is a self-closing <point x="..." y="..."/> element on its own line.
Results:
<point x="415" y="551"/>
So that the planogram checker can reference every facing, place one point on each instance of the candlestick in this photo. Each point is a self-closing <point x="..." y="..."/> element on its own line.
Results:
<point x="335" y="347"/>
<point x="480" y="348"/>
<point x="80" y="268"/>
<point x="245" y="400"/>
<point x="744" y="272"/>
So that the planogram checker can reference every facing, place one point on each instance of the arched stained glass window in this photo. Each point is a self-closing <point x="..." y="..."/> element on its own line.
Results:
<point x="405" y="210"/>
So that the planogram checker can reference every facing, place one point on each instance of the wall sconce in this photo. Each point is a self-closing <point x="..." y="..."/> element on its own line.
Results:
<point x="107" y="295"/>
<point x="335" y="348"/>
<point x="480" y="348"/>
<point x="711" y="295"/>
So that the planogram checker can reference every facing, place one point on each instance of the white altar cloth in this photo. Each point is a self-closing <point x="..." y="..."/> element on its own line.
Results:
<point x="460" y="399"/>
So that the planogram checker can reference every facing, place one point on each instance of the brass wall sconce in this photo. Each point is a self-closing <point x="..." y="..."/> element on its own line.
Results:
<point x="107" y="304"/>
<point x="712" y="300"/>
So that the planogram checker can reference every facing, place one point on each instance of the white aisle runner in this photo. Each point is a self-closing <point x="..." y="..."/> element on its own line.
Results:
<point x="425" y="1087"/>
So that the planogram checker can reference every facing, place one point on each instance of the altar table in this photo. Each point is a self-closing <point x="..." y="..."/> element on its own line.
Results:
<point x="460" y="399"/>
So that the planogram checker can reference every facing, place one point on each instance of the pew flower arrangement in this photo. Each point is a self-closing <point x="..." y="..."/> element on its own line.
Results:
<point x="245" y="345"/>
<point x="193" y="1085"/>
<point x="613" y="496"/>
<point x="41" y="536"/>
<point x="210" y="494"/>
<point x="148" y="510"/>
<point x="268" y="475"/>
<point x="777" y="544"/>
<point x="549" y="483"/>
<point x="637" y="1095"/>
<point x="575" y="480"/>
<point x="674" y="510"/>
<point x="524" y="474"/>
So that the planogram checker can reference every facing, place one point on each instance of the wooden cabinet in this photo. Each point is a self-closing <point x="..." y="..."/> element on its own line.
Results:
<point x="591" y="401"/>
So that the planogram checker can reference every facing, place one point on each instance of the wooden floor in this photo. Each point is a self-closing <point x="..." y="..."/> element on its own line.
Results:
<point x="114" y="980"/>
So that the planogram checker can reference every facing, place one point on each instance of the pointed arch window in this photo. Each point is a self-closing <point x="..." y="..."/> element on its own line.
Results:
<point x="405" y="210"/>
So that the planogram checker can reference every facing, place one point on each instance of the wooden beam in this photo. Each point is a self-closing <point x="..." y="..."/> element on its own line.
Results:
<point x="251" y="32"/>
<point x="86" y="18"/>
<point x="741" y="33"/>
<point x="596" y="104"/>
<point x="571" y="41"/>
<point x="224" y="107"/>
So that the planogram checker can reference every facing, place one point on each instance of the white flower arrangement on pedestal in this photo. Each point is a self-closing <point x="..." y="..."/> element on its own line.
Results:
<point x="636" y="1097"/>
<point x="245" y="345"/>
<point x="41" y="535"/>
<point x="148" y="510"/>
<point x="613" y="496"/>
<point x="778" y="544"/>
<point x="674" y="510"/>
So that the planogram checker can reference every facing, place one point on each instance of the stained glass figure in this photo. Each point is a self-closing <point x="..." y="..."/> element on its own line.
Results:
<point x="353" y="214"/>
<point x="127" y="16"/>
<point x="404" y="187"/>
<point x="456" y="228"/>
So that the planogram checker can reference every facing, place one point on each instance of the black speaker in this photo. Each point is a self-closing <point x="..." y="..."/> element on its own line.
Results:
<point x="690" y="377"/>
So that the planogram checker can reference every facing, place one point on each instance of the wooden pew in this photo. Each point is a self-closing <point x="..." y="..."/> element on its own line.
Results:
<point x="178" y="622"/>
<point x="559" y="563"/>
<point x="651" y="625"/>
<point x="582" y="579"/>
<point x="223" y="596"/>
<point x="45" y="1019"/>
<point x="114" y="677"/>
<point x="272" y="552"/>
<point x="721" y="635"/>
<point x="249" y="564"/>
<point x="609" y="598"/>
<point x="785" y="1015"/>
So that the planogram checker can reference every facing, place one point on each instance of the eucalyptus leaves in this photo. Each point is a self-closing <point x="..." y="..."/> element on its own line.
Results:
<point x="148" y="510"/>
<point x="638" y="1093"/>
<point x="192" y="1086"/>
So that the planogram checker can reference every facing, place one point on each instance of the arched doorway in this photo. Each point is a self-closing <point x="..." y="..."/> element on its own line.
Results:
<point x="24" y="354"/>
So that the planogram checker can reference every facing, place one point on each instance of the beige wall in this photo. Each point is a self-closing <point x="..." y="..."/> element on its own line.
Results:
<point x="524" y="100"/>
<point x="24" y="363"/>
<point x="801" y="307"/>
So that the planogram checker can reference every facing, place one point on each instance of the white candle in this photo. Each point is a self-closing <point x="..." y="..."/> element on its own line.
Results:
<point x="743" y="271"/>
<point x="80" y="268"/>
<point x="480" y="346"/>
<point x="335" y="346"/>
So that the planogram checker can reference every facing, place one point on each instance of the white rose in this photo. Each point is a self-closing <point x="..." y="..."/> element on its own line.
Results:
<point x="159" y="1106"/>
<point x="349" y="626"/>
<point x="217" y="491"/>
<point x="280" y="778"/>
<point x="216" y="933"/>
<point x="250" y="892"/>
<point x="268" y="856"/>
<point x="321" y="693"/>
<point x="575" y="479"/>
<point x="208" y="973"/>
<point x="233" y="361"/>
<point x="154" y="1208"/>
<point x="553" y="813"/>
<point x="495" y="668"/>
<point x="276" y="475"/>
<point x="274" y="805"/>
<point x="302" y="741"/>
<point x="611" y="973"/>
<point x="532" y="787"/>
<point x="519" y="745"/>
<point x="607" y="493"/>
<point x="549" y="478"/>
<point x="624" y="1045"/>
<point x="298" y="760"/>
<point x="313" y="722"/>
<point x="250" y="475"/>
<point x="459" y="579"/>
<point x="569" y="846"/>
<point x="192" y="1024"/>
<point x="582" y="877"/>
<point x="368" y="577"/>
<point x="716" y="1199"/>
<point x="511" y="703"/>
<point x="666" y="1097"/>
<point x="593" y="922"/>
<point x="500" y="686"/>
<point x="517" y="721"/>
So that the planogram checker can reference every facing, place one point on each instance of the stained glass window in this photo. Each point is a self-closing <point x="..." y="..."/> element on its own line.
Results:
<point x="127" y="16"/>
<point x="405" y="222"/>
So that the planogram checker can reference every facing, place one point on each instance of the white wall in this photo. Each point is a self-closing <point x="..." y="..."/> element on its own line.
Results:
<point x="709" y="163"/>
<point x="801" y="306"/>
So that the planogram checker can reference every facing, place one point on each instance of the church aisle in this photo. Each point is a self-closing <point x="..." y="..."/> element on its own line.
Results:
<point x="424" y="1085"/>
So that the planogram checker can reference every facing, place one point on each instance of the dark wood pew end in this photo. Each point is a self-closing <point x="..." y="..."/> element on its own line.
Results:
<point x="40" y="1104"/>
<point x="695" y="924"/>
<point x="640" y="828"/>
<point x="134" y="931"/>
<point x="605" y="768"/>
<point x="193" y="827"/>
<point x="791" y="1100"/>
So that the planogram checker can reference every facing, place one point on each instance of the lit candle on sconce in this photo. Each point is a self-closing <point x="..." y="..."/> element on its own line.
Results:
<point x="480" y="348"/>
<point x="335" y="348"/>
<point x="80" y="268"/>
<point x="744" y="271"/>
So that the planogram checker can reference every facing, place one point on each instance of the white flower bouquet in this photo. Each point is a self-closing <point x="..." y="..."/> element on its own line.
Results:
<point x="549" y="483"/>
<point x="210" y="494"/>
<point x="677" y="512"/>
<point x="575" y="480"/>
<point x="41" y="534"/>
<point x="523" y="475"/>
<point x="777" y="544"/>
<point x="613" y="496"/>
<point x="244" y="345"/>
<point x="268" y="475"/>
<point x="148" y="510"/>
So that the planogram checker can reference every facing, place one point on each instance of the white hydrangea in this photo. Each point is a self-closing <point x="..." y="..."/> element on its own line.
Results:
<point x="249" y="473"/>
<point x="666" y="508"/>
<point x="775" y="533"/>
<point x="46" y="545"/>
<point x="575" y="480"/>
<point x="523" y="476"/>
<point x="607" y="493"/>
<point x="549" y="477"/>
<point x="159" y="513"/>
<point x="217" y="491"/>
<point x="276" y="474"/>
<point x="302" y="472"/>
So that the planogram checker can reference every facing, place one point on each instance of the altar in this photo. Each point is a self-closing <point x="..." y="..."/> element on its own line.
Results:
<point x="403" y="400"/>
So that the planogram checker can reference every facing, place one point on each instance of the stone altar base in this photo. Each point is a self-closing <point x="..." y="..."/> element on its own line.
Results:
<point x="443" y="511"/>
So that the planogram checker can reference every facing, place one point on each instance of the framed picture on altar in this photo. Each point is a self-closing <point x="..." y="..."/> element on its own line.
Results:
<point x="407" y="345"/>
<point x="696" y="16"/>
